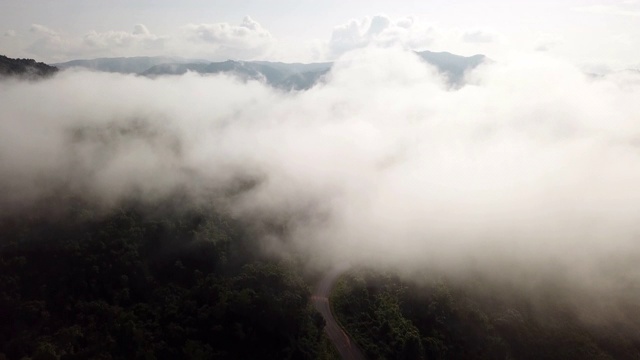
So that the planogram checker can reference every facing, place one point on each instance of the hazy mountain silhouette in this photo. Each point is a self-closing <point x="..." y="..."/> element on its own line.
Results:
<point x="287" y="76"/>
<point x="280" y="75"/>
<point x="298" y="76"/>
<point x="453" y="66"/>
<point x="125" y="65"/>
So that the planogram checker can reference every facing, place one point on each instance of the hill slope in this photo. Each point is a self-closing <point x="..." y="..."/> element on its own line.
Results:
<point x="27" y="68"/>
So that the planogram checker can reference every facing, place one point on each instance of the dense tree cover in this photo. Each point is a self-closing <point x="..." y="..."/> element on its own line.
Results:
<point x="150" y="282"/>
<point x="26" y="68"/>
<point x="394" y="319"/>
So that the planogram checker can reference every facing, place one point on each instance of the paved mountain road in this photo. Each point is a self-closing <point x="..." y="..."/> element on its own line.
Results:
<point x="347" y="349"/>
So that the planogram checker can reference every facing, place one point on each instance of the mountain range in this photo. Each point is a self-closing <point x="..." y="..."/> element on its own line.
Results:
<point x="287" y="76"/>
<point x="125" y="65"/>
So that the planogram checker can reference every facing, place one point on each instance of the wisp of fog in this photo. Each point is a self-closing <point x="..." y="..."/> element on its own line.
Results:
<point x="530" y="164"/>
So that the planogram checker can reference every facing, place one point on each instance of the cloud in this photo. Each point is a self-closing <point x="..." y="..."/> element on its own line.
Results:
<point x="249" y="40"/>
<point x="214" y="41"/>
<point x="546" y="42"/>
<point x="249" y="37"/>
<point x="109" y="41"/>
<point x="140" y="29"/>
<point x="43" y="30"/>
<point x="479" y="36"/>
<point x="380" y="30"/>
<point x="625" y="9"/>
<point x="48" y="42"/>
<point x="51" y="44"/>
<point x="531" y="167"/>
<point x="10" y="33"/>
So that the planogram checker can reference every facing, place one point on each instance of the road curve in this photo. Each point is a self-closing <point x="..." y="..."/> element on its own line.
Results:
<point x="347" y="349"/>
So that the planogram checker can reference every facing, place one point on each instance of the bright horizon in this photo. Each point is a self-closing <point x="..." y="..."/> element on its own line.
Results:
<point x="596" y="35"/>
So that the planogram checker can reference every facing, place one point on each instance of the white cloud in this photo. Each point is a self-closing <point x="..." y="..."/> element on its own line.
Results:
<point x="10" y="33"/>
<point x="625" y="9"/>
<point x="248" y="38"/>
<point x="547" y="41"/>
<point x="49" y="43"/>
<point x="214" y="41"/>
<point x="480" y="36"/>
<point x="140" y="29"/>
<point x="43" y="30"/>
<point x="53" y="45"/>
<point x="140" y="38"/>
<point x="380" y="31"/>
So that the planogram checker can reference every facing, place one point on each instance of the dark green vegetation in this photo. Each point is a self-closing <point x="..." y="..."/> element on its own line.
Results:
<point x="25" y="68"/>
<point x="152" y="281"/>
<point x="165" y="281"/>
<point x="393" y="319"/>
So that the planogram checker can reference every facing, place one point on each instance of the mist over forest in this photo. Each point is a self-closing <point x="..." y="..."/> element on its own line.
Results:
<point x="507" y="203"/>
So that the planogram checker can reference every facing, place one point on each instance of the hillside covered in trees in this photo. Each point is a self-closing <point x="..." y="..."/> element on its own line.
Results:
<point x="25" y="68"/>
<point x="164" y="280"/>
<point x="147" y="281"/>
<point x="392" y="318"/>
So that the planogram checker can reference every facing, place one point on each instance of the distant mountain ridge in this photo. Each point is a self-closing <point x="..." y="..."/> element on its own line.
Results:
<point x="280" y="75"/>
<point x="286" y="76"/>
<point x="125" y="65"/>
<point x="25" y="68"/>
<point x="298" y="76"/>
<point x="454" y="66"/>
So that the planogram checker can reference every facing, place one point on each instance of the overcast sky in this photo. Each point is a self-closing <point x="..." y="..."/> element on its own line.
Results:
<point x="597" y="34"/>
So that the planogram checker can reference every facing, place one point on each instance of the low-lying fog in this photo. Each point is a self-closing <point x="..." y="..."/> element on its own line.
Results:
<point x="532" y="167"/>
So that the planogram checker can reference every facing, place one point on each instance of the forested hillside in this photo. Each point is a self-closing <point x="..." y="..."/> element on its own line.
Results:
<point x="391" y="318"/>
<point x="152" y="281"/>
<point x="26" y="68"/>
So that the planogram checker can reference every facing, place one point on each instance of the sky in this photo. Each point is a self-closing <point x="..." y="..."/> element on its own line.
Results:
<point x="598" y="35"/>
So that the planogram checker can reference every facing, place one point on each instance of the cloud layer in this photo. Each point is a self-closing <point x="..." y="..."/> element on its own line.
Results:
<point x="245" y="40"/>
<point x="51" y="43"/>
<point x="532" y="164"/>
<point x="219" y="41"/>
<point x="249" y="40"/>
<point x="381" y="31"/>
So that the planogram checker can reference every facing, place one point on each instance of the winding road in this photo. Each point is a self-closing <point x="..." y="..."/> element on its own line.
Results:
<point x="347" y="349"/>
